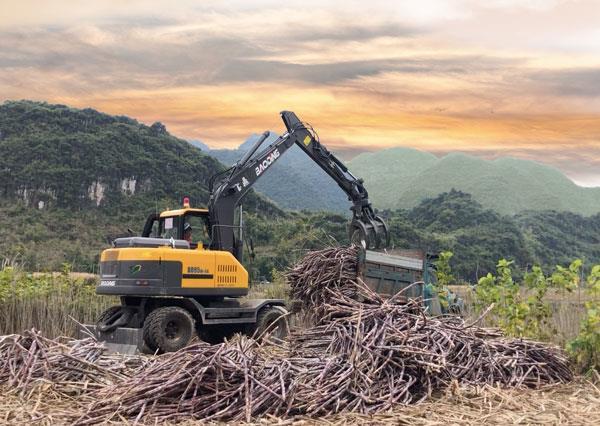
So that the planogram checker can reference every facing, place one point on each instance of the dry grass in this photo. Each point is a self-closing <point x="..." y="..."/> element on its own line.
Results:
<point x="48" y="302"/>
<point x="577" y="403"/>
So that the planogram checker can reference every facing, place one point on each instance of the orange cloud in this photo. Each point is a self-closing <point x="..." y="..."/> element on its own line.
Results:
<point x="434" y="75"/>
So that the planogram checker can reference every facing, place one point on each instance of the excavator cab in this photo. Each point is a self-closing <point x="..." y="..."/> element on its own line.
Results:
<point x="187" y="224"/>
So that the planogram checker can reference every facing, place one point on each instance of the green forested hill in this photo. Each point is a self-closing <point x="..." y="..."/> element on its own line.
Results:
<point x="387" y="172"/>
<point x="70" y="177"/>
<point x="557" y="237"/>
<point x="477" y="236"/>
<point x="56" y="156"/>
<point x="402" y="177"/>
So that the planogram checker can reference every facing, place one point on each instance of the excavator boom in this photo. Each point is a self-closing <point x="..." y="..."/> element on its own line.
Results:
<point x="229" y="188"/>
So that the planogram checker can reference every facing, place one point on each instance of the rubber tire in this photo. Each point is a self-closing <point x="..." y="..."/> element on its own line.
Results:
<point x="155" y="334"/>
<point x="266" y="316"/>
<point x="107" y="314"/>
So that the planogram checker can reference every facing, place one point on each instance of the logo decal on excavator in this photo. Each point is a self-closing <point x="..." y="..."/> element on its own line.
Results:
<point x="134" y="269"/>
<point x="267" y="162"/>
<point x="244" y="184"/>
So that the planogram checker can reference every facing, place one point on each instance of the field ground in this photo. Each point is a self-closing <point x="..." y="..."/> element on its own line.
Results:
<point x="575" y="404"/>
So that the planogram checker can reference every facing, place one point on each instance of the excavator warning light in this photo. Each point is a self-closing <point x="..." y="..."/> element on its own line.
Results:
<point x="186" y="202"/>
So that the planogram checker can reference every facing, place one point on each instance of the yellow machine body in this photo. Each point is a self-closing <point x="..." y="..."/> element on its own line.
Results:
<point x="170" y="267"/>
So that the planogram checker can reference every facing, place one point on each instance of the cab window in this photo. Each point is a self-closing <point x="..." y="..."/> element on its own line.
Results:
<point x="155" y="229"/>
<point x="196" y="230"/>
<point x="170" y="227"/>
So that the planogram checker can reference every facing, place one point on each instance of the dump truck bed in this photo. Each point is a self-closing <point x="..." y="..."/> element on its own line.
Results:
<point x="392" y="272"/>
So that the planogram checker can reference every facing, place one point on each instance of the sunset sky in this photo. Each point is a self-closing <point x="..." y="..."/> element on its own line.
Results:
<point x="490" y="78"/>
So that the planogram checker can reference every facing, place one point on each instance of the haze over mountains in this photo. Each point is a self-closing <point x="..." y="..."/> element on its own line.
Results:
<point x="400" y="178"/>
<point x="294" y="182"/>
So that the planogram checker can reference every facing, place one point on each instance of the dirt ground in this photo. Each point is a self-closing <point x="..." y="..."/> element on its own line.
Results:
<point x="575" y="404"/>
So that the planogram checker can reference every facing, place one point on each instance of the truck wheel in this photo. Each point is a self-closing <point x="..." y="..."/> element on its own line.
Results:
<point x="271" y="319"/>
<point x="168" y="329"/>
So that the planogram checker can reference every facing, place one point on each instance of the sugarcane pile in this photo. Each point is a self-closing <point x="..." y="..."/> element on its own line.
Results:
<point x="70" y="366"/>
<point x="233" y="381"/>
<point x="321" y="276"/>
<point x="375" y="353"/>
<point x="363" y="354"/>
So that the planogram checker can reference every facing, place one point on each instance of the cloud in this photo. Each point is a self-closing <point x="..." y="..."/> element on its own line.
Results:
<point x="583" y="82"/>
<point x="438" y="75"/>
<point x="132" y="60"/>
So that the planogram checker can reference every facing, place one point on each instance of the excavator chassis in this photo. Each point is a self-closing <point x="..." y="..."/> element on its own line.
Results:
<point x="123" y="330"/>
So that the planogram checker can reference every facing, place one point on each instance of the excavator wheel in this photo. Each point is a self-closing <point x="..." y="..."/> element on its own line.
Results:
<point x="271" y="320"/>
<point x="168" y="329"/>
<point x="113" y="317"/>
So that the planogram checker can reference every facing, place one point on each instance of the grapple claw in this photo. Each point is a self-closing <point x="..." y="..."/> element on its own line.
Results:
<point x="371" y="234"/>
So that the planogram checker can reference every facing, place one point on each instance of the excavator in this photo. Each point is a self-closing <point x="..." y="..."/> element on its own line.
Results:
<point x="172" y="287"/>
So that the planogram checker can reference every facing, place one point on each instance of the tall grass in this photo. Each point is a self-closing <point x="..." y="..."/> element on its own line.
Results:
<point x="51" y="303"/>
<point x="567" y="310"/>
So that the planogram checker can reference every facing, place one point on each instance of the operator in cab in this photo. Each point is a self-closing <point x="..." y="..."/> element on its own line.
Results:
<point x="187" y="233"/>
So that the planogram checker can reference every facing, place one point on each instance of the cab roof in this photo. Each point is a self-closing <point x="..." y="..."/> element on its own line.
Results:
<point x="181" y="212"/>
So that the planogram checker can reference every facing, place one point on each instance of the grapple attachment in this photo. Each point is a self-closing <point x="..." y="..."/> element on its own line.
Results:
<point x="370" y="232"/>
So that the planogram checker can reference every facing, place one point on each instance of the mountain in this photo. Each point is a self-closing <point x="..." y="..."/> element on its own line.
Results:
<point x="56" y="156"/>
<point x="558" y="237"/>
<point x="479" y="237"/>
<point x="387" y="172"/>
<point x="200" y="145"/>
<point x="402" y="177"/>
<point x="453" y="221"/>
<point x="71" y="177"/>
<point x="294" y="182"/>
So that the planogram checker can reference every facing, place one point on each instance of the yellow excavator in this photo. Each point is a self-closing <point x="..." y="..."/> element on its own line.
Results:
<point x="184" y="274"/>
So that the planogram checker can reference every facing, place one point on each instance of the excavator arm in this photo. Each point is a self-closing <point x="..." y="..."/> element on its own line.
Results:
<point x="229" y="188"/>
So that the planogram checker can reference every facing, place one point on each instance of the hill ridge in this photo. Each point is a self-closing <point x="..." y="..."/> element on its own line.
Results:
<point x="507" y="185"/>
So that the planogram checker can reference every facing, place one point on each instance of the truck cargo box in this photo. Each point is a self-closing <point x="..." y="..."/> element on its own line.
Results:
<point x="388" y="273"/>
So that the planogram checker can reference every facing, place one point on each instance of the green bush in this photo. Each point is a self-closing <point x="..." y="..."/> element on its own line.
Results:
<point x="586" y="347"/>
<point x="521" y="309"/>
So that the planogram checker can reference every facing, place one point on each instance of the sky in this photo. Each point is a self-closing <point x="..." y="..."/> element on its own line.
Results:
<point x="491" y="78"/>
